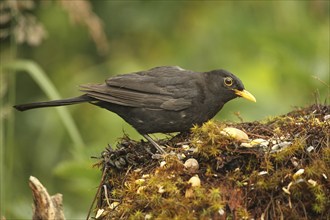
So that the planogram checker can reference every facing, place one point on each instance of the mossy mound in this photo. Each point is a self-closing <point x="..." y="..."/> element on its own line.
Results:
<point x="284" y="176"/>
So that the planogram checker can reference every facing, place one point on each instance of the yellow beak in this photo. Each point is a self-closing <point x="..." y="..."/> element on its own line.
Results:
<point x="245" y="94"/>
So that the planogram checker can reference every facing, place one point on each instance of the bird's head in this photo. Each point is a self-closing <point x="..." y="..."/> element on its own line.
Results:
<point x="229" y="85"/>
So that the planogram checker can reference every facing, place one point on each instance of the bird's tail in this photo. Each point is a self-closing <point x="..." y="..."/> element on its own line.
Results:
<point x="69" y="101"/>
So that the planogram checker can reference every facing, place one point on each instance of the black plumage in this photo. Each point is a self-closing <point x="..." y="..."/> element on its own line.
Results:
<point x="163" y="99"/>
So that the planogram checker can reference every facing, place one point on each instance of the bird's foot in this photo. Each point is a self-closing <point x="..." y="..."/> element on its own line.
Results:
<point x="154" y="143"/>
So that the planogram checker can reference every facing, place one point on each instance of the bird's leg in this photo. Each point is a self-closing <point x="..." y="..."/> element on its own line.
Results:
<point x="159" y="148"/>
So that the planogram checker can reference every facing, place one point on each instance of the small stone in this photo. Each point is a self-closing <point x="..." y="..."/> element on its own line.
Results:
<point x="294" y="161"/>
<point x="284" y="144"/>
<point x="247" y="145"/>
<point x="280" y="146"/>
<point x="185" y="147"/>
<point x="137" y="170"/>
<point x="221" y="211"/>
<point x="276" y="147"/>
<point x="235" y="133"/>
<point x="298" y="173"/>
<point x="324" y="176"/>
<point x="148" y="216"/>
<point x="161" y="189"/>
<point x="260" y="141"/>
<point x="312" y="182"/>
<point x="191" y="165"/>
<point x="195" y="181"/>
<point x="326" y="117"/>
<point x="261" y="173"/>
<point x="162" y="164"/>
<point x="256" y="143"/>
<point x="310" y="149"/>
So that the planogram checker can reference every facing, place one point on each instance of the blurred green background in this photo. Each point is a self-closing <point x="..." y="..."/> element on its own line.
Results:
<point x="279" y="49"/>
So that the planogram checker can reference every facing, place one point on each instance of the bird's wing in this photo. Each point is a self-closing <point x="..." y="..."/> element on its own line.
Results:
<point x="167" y="88"/>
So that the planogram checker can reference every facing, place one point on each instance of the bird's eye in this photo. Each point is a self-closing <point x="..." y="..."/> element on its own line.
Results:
<point x="228" y="81"/>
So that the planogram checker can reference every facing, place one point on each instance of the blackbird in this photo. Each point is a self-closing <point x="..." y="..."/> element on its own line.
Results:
<point x="162" y="99"/>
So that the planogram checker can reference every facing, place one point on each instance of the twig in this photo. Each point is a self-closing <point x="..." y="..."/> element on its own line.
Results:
<point x="97" y="193"/>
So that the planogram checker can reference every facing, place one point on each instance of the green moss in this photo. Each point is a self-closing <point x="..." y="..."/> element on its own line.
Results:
<point x="236" y="182"/>
<point x="293" y="149"/>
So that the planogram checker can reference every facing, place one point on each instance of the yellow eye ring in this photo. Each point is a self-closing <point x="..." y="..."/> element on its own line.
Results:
<point x="228" y="81"/>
